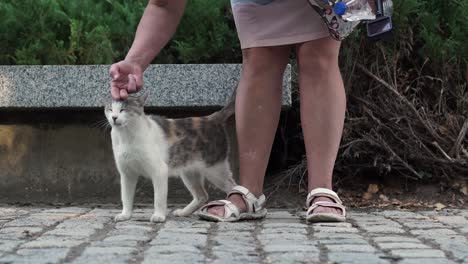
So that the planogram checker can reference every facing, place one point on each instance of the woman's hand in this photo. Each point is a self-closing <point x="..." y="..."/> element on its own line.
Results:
<point x="127" y="78"/>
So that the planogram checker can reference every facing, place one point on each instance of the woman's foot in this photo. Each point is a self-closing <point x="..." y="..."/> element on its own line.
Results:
<point x="324" y="206"/>
<point x="325" y="210"/>
<point x="240" y="204"/>
<point x="236" y="199"/>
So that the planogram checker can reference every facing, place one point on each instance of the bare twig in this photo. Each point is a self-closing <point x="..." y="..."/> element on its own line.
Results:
<point x="419" y="140"/>
<point x="455" y="151"/>
<point x="402" y="98"/>
<point x="442" y="151"/>
<point x="387" y="146"/>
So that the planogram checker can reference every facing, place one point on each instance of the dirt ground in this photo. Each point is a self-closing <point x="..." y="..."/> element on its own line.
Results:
<point x="369" y="193"/>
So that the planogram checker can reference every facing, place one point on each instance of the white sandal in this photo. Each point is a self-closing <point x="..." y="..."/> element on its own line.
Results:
<point x="254" y="205"/>
<point x="312" y="217"/>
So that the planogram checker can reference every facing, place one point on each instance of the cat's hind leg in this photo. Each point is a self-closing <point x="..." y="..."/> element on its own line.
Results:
<point x="127" y="189"/>
<point x="195" y="183"/>
<point x="220" y="175"/>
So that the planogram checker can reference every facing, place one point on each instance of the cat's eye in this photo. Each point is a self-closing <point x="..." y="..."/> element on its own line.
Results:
<point x="121" y="110"/>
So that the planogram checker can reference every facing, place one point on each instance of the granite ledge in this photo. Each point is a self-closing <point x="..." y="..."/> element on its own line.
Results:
<point x="87" y="86"/>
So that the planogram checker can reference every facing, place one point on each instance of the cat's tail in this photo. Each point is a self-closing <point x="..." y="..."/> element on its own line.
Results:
<point x="228" y="110"/>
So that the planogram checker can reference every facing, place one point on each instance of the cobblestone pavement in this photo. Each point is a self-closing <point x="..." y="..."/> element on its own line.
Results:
<point x="89" y="235"/>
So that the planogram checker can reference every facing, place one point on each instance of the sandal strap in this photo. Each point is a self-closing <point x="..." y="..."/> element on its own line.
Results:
<point x="230" y="209"/>
<point x="326" y="204"/>
<point x="253" y="203"/>
<point x="322" y="192"/>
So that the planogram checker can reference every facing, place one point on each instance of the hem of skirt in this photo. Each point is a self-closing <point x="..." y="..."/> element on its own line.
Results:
<point x="284" y="41"/>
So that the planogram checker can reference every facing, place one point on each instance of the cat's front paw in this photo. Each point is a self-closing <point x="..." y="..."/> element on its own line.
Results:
<point x="181" y="213"/>
<point x="122" y="217"/>
<point x="158" y="218"/>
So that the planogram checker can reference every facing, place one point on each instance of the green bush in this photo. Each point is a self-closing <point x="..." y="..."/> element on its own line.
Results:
<point x="101" y="32"/>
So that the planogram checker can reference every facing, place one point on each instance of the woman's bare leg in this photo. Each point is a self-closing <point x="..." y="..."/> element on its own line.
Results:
<point x="258" y="106"/>
<point x="323" y="105"/>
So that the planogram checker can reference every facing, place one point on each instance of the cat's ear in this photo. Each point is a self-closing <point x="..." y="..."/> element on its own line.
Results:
<point x="142" y="98"/>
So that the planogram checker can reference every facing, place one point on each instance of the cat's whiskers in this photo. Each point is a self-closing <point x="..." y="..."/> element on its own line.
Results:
<point x="102" y="125"/>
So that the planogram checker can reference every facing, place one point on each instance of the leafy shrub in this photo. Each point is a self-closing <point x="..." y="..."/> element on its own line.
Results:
<point x="101" y="32"/>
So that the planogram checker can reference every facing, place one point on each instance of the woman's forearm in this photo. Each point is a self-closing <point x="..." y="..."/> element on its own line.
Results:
<point x="157" y="25"/>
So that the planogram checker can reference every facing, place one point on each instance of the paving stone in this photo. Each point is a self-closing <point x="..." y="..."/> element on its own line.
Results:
<point x="457" y="221"/>
<point x="331" y="224"/>
<point x="328" y="229"/>
<point x="418" y="253"/>
<point x="384" y="229"/>
<point x="227" y="240"/>
<point x="52" y="216"/>
<point x="279" y="242"/>
<point x="423" y="225"/>
<point x="20" y="232"/>
<point x="284" y="231"/>
<point x="292" y="257"/>
<point x="186" y="224"/>
<point x="458" y="248"/>
<point x="172" y="249"/>
<point x="106" y="258"/>
<point x="334" y="241"/>
<point x="52" y="243"/>
<point x="402" y="245"/>
<point x="30" y="222"/>
<point x="395" y="239"/>
<point x="433" y="232"/>
<point x="245" y="249"/>
<point x="280" y="215"/>
<point x="71" y="232"/>
<point x="7" y="213"/>
<point x="242" y="226"/>
<point x="80" y="224"/>
<point x="8" y="245"/>
<point x="127" y="238"/>
<point x="175" y="258"/>
<point x="350" y="248"/>
<point x="289" y="248"/>
<point x="355" y="258"/>
<point x="228" y="257"/>
<point x="322" y="235"/>
<point x="192" y="239"/>
<point x="119" y="243"/>
<point x="194" y="230"/>
<point x="108" y="251"/>
<point x="110" y="213"/>
<point x="284" y="225"/>
<point x="73" y="210"/>
<point x="38" y="256"/>
<point x="402" y="214"/>
<point x="373" y="218"/>
<point x="124" y="226"/>
<point x="389" y="223"/>
<point x="426" y="260"/>
<point x="290" y="236"/>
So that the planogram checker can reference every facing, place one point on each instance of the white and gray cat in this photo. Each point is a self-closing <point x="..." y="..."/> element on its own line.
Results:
<point x="155" y="147"/>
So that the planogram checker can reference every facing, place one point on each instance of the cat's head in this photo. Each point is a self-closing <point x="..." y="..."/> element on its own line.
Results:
<point x="120" y="113"/>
